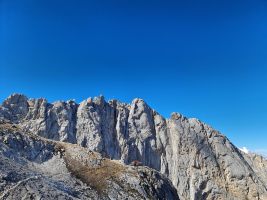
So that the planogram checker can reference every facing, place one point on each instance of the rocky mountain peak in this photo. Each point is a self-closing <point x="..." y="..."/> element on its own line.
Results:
<point x="200" y="162"/>
<point x="176" y="116"/>
<point x="17" y="105"/>
<point x="15" y="99"/>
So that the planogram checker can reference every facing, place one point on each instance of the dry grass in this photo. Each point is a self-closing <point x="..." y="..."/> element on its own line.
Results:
<point x="9" y="127"/>
<point x="95" y="176"/>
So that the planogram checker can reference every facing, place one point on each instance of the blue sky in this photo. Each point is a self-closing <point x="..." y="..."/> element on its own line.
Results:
<point x="204" y="59"/>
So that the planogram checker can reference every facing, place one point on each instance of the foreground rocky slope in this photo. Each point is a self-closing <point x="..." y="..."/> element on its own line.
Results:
<point x="200" y="162"/>
<point x="34" y="168"/>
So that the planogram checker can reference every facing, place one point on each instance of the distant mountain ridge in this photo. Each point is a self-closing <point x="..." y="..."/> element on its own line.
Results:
<point x="200" y="162"/>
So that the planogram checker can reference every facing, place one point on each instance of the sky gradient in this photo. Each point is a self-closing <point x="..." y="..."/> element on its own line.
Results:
<point x="204" y="59"/>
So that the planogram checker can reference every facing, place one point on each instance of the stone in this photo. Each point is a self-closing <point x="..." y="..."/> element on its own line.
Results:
<point x="200" y="162"/>
<point x="33" y="167"/>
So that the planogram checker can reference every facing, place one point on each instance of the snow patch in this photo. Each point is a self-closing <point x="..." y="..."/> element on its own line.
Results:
<point x="244" y="149"/>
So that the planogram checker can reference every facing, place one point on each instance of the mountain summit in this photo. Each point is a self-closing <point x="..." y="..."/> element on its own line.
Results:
<point x="182" y="158"/>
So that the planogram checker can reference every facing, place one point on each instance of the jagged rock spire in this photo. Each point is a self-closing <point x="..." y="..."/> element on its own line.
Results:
<point x="200" y="162"/>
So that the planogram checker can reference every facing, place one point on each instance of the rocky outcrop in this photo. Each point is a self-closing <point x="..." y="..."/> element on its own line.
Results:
<point x="258" y="164"/>
<point x="32" y="167"/>
<point x="200" y="162"/>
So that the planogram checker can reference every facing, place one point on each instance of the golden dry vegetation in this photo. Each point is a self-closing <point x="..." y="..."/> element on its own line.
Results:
<point x="97" y="175"/>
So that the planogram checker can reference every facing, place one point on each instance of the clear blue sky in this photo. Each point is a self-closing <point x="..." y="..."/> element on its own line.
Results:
<point x="204" y="59"/>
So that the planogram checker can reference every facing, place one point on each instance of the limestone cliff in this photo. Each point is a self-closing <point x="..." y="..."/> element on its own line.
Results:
<point x="200" y="162"/>
<point x="32" y="167"/>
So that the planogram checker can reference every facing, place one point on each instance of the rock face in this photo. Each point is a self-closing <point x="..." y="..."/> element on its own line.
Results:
<point x="200" y="162"/>
<point x="32" y="167"/>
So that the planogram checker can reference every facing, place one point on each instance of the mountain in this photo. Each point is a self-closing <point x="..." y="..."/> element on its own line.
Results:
<point x="200" y="162"/>
<point x="36" y="168"/>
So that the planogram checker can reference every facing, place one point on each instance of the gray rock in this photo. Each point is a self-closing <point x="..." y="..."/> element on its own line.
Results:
<point x="15" y="107"/>
<point x="32" y="167"/>
<point x="200" y="162"/>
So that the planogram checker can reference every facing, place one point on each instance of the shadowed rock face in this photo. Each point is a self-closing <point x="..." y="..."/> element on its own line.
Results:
<point x="200" y="162"/>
